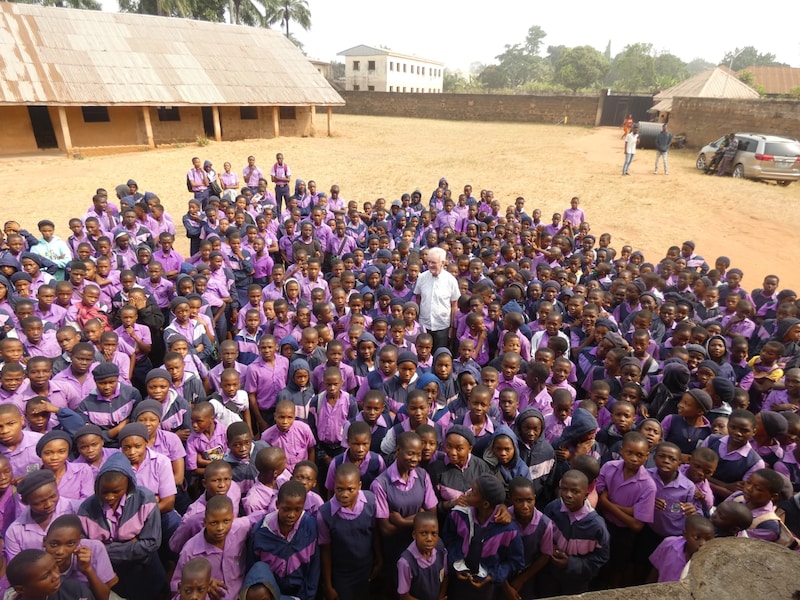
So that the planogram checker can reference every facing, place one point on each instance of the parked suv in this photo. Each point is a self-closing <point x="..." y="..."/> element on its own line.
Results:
<point x="761" y="157"/>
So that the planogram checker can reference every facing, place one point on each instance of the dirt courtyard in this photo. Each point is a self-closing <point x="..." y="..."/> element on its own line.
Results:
<point x="754" y="224"/>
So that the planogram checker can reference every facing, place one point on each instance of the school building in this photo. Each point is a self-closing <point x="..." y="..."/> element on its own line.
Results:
<point x="83" y="81"/>
<point x="371" y="69"/>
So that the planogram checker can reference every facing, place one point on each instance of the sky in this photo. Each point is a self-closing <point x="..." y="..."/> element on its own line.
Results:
<point x="462" y="32"/>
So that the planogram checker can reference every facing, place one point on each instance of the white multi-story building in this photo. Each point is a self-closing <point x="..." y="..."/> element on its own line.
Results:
<point x="369" y="69"/>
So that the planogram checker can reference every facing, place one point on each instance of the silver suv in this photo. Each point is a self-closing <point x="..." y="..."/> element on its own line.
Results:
<point x="760" y="157"/>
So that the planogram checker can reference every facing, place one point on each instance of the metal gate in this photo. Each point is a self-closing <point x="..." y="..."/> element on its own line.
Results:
<point x="617" y="107"/>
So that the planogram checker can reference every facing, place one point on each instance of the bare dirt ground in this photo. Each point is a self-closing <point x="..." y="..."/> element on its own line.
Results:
<point x="370" y="157"/>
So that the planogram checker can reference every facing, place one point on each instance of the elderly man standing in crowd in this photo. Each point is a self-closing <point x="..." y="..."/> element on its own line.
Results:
<point x="437" y="294"/>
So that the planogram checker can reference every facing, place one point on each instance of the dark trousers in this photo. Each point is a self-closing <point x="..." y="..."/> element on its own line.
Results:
<point x="441" y="338"/>
<point x="281" y="194"/>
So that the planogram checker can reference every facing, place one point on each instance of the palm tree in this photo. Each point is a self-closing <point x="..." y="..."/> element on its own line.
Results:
<point x="283" y="11"/>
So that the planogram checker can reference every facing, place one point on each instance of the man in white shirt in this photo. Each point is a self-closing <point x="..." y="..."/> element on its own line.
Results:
<point x="437" y="294"/>
<point x="631" y="141"/>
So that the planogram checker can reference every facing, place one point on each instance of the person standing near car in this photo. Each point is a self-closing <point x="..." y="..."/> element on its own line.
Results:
<point x="631" y="141"/>
<point x="730" y="153"/>
<point x="663" y="142"/>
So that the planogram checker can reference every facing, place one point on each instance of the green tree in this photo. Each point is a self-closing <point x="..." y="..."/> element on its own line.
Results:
<point x="747" y="77"/>
<point x="162" y="8"/>
<point x="795" y="92"/>
<point x="669" y="70"/>
<point x="634" y="68"/>
<point x="285" y="11"/>
<point x="453" y="81"/>
<point x="516" y="64"/>
<point x="553" y="54"/>
<point x="493" y="77"/>
<point x="698" y="65"/>
<point x="534" y="40"/>
<point x="749" y="57"/>
<point x="581" y="67"/>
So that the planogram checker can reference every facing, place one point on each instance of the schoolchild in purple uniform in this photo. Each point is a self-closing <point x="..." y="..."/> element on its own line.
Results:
<point x="689" y="427"/>
<point x="222" y="542"/>
<point x="75" y="481"/>
<point x="737" y="458"/>
<point x="264" y="378"/>
<point x="624" y="485"/>
<point x="581" y="540"/>
<point x="18" y="444"/>
<point x="229" y="355"/>
<point x="175" y="411"/>
<point x="271" y="465"/>
<point x="286" y="541"/>
<point x="166" y="443"/>
<point x="347" y="523"/>
<point x="241" y="454"/>
<point x="33" y="576"/>
<point x="761" y="492"/>
<point x="330" y="411"/>
<point x="185" y="379"/>
<point x="452" y="474"/>
<point x="675" y="499"/>
<point x="375" y="414"/>
<point x="248" y="337"/>
<point x="482" y="553"/>
<point x="370" y="464"/>
<point x="111" y="404"/>
<point x="78" y="558"/>
<point x="292" y="435"/>
<point x="207" y="442"/>
<point x="537" y="532"/>
<point x="126" y="519"/>
<point x="9" y="500"/>
<point x="669" y="559"/>
<point x="422" y="567"/>
<point x="40" y="504"/>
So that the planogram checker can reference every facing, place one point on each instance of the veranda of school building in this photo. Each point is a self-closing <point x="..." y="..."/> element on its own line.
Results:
<point x="81" y="81"/>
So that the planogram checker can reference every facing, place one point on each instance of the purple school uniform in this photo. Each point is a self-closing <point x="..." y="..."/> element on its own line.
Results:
<point x="734" y="465"/>
<point x="168" y="444"/>
<point x="671" y="520"/>
<point x="638" y="491"/>
<point x="407" y="497"/>
<point x="349" y="381"/>
<point x="47" y="346"/>
<point x="77" y="483"/>
<point x="198" y="507"/>
<point x="265" y="381"/>
<point x="227" y="563"/>
<point x="349" y="531"/>
<point x="210" y="448"/>
<point x="372" y="466"/>
<point x="82" y="388"/>
<point x="295" y="443"/>
<point x="163" y="291"/>
<point x="170" y="262"/>
<point x="100" y="563"/>
<point x="553" y="428"/>
<point x="537" y="536"/>
<point x="421" y="576"/>
<point x="23" y="458"/>
<point x="59" y="393"/>
<point x="215" y="374"/>
<point x="330" y="420"/>
<point x="25" y="533"/>
<point x="10" y="507"/>
<point x="155" y="474"/>
<point x="263" y="498"/>
<point x="669" y="559"/>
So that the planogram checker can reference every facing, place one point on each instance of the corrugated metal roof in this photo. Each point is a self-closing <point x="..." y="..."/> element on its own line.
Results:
<point x="775" y="80"/>
<point x="62" y="56"/>
<point x="711" y="83"/>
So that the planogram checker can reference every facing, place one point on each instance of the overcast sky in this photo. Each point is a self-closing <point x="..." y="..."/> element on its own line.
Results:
<point x="459" y="32"/>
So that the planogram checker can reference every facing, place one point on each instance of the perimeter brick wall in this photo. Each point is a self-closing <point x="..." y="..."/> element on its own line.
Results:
<point x="703" y="120"/>
<point x="580" y="110"/>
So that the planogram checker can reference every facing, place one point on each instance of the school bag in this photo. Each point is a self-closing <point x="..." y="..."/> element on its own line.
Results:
<point x="786" y="538"/>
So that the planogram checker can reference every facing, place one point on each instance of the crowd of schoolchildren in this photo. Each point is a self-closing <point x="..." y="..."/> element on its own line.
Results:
<point x="267" y="418"/>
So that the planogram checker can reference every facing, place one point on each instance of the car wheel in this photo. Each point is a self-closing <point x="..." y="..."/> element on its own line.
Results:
<point x="738" y="172"/>
<point x="701" y="163"/>
<point x="784" y="182"/>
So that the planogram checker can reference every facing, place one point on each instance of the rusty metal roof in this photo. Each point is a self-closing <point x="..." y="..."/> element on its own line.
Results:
<point x="775" y="80"/>
<point x="61" y="56"/>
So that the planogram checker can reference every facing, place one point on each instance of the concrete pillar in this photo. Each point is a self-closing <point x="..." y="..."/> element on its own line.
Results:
<point x="62" y="117"/>
<point x="599" y="114"/>
<point x="330" y="117"/>
<point x="276" y="121"/>
<point x="148" y="127"/>
<point x="217" y="126"/>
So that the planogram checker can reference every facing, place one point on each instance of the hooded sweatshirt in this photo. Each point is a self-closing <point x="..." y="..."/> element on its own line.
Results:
<point x="515" y="468"/>
<point x="540" y="457"/>
<point x="301" y="397"/>
<point x="137" y="517"/>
